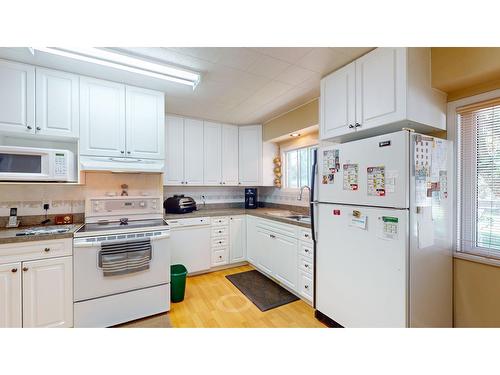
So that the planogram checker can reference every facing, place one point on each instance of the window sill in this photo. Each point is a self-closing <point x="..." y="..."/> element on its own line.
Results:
<point x="477" y="258"/>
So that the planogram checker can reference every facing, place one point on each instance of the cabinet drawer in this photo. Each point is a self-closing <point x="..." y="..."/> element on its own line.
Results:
<point x="31" y="250"/>
<point x="305" y="234"/>
<point x="306" y="265"/>
<point x="306" y="249"/>
<point x="220" y="231"/>
<point x="223" y="220"/>
<point x="305" y="285"/>
<point x="219" y="242"/>
<point x="279" y="228"/>
<point x="219" y="257"/>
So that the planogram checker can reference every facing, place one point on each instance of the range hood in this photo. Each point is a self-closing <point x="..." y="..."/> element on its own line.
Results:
<point x="117" y="164"/>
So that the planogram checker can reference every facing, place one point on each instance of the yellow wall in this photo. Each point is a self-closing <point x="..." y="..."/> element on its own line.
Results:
<point x="476" y="294"/>
<point x="302" y="117"/>
<point x="465" y="71"/>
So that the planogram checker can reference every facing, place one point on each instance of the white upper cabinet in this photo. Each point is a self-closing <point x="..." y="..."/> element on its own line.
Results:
<point x="10" y="295"/>
<point x="145" y="119"/>
<point x="17" y="97"/>
<point x="381" y="92"/>
<point x="193" y="151"/>
<point x="174" y="154"/>
<point x="338" y="106"/>
<point x="48" y="293"/>
<point x="212" y="139"/>
<point x="102" y="118"/>
<point x="57" y="103"/>
<point x="250" y="155"/>
<point x="381" y="87"/>
<point x="229" y="154"/>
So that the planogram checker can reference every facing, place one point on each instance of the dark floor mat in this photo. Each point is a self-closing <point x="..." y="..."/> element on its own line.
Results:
<point x="261" y="290"/>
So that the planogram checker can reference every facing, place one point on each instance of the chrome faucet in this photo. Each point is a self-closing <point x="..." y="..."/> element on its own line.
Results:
<point x="299" y="198"/>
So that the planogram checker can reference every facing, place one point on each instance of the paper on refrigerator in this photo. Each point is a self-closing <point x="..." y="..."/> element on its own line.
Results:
<point x="331" y="165"/>
<point x="350" y="176"/>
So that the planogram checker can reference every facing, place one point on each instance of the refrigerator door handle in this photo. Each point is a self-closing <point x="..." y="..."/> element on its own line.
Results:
<point x="312" y="191"/>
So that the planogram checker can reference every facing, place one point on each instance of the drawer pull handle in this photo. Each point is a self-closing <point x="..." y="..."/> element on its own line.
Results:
<point x="306" y="250"/>
<point x="220" y="231"/>
<point x="306" y="265"/>
<point x="14" y="270"/>
<point x="306" y="235"/>
<point x="306" y="286"/>
<point x="220" y="241"/>
<point x="47" y="249"/>
<point x="272" y="236"/>
<point x="25" y="269"/>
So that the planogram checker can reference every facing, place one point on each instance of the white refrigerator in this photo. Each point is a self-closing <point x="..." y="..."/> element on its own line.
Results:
<point x="383" y="227"/>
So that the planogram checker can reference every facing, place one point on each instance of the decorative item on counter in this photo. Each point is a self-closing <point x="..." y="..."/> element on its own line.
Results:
<point x="124" y="190"/>
<point x="277" y="171"/>
<point x="64" y="219"/>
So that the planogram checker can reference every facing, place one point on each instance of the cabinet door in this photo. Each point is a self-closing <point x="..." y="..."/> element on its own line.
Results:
<point x="57" y="104"/>
<point x="252" y="239"/>
<point x="230" y="155"/>
<point x="174" y="154"/>
<point x="10" y="295"/>
<point x="265" y="254"/>
<point x="193" y="151"/>
<point x="102" y="118"/>
<point x="212" y="137"/>
<point x="237" y="239"/>
<point x="338" y="106"/>
<point x="285" y="254"/>
<point x="48" y="293"/>
<point x="381" y="87"/>
<point x="145" y="119"/>
<point x="17" y="97"/>
<point x="250" y="155"/>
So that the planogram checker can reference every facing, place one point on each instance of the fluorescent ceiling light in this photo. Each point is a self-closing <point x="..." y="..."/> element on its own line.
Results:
<point x="127" y="63"/>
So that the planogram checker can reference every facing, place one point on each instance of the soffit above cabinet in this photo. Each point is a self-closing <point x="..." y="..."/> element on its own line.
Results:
<point x="239" y="85"/>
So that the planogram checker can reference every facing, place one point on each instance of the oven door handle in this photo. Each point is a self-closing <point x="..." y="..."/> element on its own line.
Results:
<point x="95" y="243"/>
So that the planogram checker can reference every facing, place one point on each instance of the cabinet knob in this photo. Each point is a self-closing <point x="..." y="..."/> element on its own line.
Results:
<point x="306" y="286"/>
<point x="47" y="249"/>
<point x="220" y="231"/>
<point x="185" y="182"/>
<point x="122" y="152"/>
<point x="239" y="183"/>
<point x="306" y="250"/>
<point x="358" y="125"/>
<point x="29" y="127"/>
<point x="223" y="183"/>
<point x="351" y="126"/>
<point x="220" y="241"/>
<point x="25" y="269"/>
<point x="306" y="235"/>
<point x="38" y="128"/>
<point x="14" y="270"/>
<point x="128" y="152"/>
<point x="306" y="265"/>
<point x="272" y="236"/>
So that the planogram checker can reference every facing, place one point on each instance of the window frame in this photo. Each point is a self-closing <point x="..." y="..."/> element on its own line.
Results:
<point x="453" y="134"/>
<point x="283" y="151"/>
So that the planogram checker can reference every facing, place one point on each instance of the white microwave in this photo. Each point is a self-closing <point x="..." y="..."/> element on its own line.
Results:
<point x="36" y="164"/>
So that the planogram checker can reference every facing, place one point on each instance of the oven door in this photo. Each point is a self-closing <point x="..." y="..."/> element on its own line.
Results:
<point x="99" y="270"/>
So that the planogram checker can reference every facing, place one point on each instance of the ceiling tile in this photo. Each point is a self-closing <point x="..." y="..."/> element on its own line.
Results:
<point x="289" y="54"/>
<point x="267" y="66"/>
<point x="295" y="75"/>
<point x="323" y="60"/>
<point x="238" y="58"/>
<point x="211" y="54"/>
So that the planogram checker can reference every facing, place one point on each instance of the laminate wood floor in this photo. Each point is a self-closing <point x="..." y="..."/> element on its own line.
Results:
<point x="211" y="301"/>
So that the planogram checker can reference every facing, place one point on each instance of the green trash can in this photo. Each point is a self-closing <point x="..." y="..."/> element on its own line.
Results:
<point x="178" y="274"/>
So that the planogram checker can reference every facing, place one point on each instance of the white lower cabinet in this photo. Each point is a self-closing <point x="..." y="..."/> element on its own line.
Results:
<point x="282" y="251"/>
<point x="36" y="288"/>
<point x="48" y="293"/>
<point x="10" y="295"/>
<point x="237" y="239"/>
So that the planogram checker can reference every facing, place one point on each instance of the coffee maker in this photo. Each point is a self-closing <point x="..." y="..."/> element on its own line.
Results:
<point x="250" y="198"/>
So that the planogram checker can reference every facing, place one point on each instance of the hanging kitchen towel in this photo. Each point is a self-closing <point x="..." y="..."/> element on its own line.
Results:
<point x="120" y="258"/>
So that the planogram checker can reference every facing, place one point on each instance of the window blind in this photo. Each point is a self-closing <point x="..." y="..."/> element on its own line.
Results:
<point x="479" y="179"/>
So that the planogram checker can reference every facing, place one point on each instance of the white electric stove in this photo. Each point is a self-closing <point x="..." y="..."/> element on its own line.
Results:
<point x="121" y="261"/>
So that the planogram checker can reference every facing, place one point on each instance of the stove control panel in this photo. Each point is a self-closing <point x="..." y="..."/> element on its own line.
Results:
<point x="127" y="206"/>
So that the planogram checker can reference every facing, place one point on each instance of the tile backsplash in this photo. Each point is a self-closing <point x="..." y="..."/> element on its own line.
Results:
<point x="29" y="198"/>
<point x="235" y="194"/>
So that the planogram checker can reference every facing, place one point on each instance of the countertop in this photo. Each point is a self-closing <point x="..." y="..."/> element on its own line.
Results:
<point x="264" y="212"/>
<point x="8" y="235"/>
